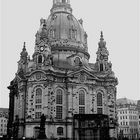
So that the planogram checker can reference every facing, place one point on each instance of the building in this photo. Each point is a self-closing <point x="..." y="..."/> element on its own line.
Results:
<point x="138" y="108"/>
<point x="3" y="121"/>
<point x="59" y="82"/>
<point x="127" y="118"/>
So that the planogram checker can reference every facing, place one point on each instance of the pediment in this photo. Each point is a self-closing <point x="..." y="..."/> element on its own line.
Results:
<point x="83" y="76"/>
<point x="37" y="76"/>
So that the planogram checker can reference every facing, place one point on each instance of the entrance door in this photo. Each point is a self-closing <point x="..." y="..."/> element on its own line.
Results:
<point x="36" y="132"/>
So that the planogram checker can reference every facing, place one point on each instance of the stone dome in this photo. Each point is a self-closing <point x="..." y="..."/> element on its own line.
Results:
<point x="66" y="26"/>
<point x="62" y="26"/>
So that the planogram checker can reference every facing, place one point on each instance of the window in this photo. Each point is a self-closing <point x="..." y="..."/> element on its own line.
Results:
<point x="38" y="101"/>
<point x="99" y="111"/>
<point x="77" y="61"/>
<point x="37" y="115"/>
<point x="81" y="97"/>
<point x="73" y="33"/>
<point x="99" y="99"/>
<point x="59" y="111"/>
<point x="52" y="33"/>
<point x="81" y="110"/>
<point x="38" y="96"/>
<point x="59" y="104"/>
<point x="60" y="131"/>
<point x="40" y="59"/>
<point x="59" y="97"/>
<point x="81" y="102"/>
<point x="63" y="1"/>
<point x="38" y="106"/>
<point x="101" y="67"/>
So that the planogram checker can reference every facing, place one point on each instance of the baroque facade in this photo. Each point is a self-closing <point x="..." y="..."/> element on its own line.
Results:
<point x="58" y="81"/>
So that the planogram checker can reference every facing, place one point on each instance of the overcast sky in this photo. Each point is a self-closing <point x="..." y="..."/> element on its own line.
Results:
<point x="118" y="19"/>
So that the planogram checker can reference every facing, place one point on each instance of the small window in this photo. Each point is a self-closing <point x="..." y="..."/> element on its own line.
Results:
<point x="101" y="67"/>
<point x="37" y="115"/>
<point x="60" y="131"/>
<point x="73" y="33"/>
<point x="99" y="111"/>
<point x="81" y="110"/>
<point x="40" y="59"/>
<point x="52" y="33"/>
<point x="77" y="61"/>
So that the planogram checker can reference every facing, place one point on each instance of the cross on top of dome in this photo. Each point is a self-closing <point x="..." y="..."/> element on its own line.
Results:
<point x="61" y="1"/>
<point x="61" y="5"/>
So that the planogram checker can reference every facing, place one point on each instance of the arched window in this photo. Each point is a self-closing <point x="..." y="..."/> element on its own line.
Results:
<point x="73" y="33"/>
<point x="52" y="33"/>
<point x="99" y="99"/>
<point x="60" y="131"/>
<point x="59" y="97"/>
<point x="81" y="102"/>
<point x="59" y="104"/>
<point x="81" y="97"/>
<point x="40" y="59"/>
<point x="38" y="96"/>
<point x="38" y="103"/>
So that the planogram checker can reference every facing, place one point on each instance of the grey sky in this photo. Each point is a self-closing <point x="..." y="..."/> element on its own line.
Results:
<point x="119" y="20"/>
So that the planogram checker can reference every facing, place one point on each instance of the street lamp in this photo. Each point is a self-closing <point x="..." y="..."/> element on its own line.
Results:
<point x="23" y="138"/>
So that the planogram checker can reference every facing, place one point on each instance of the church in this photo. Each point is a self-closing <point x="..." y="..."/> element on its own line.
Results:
<point x="60" y="83"/>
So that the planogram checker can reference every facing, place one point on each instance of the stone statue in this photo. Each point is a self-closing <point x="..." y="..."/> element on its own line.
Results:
<point x="42" y="134"/>
<point x="42" y="123"/>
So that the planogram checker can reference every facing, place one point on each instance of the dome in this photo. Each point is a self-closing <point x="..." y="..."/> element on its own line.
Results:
<point x="62" y="27"/>
<point x="66" y="26"/>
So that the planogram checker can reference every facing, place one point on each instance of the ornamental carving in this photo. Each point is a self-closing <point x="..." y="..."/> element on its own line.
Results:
<point x="38" y="76"/>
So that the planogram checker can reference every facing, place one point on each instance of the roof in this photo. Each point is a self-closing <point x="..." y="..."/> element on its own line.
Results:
<point x="126" y="101"/>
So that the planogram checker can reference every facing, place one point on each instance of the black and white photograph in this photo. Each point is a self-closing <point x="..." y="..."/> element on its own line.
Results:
<point x="69" y="70"/>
